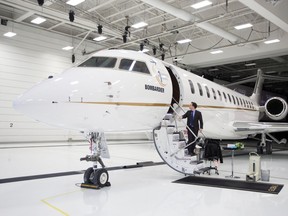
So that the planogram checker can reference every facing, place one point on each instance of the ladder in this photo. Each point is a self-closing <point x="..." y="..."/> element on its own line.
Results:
<point x="171" y="144"/>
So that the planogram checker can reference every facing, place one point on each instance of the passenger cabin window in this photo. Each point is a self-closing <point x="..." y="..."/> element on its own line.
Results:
<point x="104" y="62"/>
<point x="220" y="96"/>
<point x="191" y="87"/>
<point x="200" y="89"/>
<point x="229" y="98"/>
<point x="233" y="100"/>
<point x="207" y="90"/>
<point x="237" y="101"/>
<point x="214" y="93"/>
<point x="133" y="65"/>
<point x="225" y="96"/>
<point x="241" y="101"/>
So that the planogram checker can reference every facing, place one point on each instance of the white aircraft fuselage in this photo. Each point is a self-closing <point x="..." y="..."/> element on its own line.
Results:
<point x="120" y="93"/>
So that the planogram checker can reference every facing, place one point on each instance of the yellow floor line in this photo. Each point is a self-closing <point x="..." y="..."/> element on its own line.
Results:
<point x="54" y="207"/>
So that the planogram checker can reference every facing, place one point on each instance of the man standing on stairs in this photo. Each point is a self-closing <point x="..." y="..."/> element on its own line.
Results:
<point x="194" y="123"/>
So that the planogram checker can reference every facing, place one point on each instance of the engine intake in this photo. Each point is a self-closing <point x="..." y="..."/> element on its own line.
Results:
<point x="276" y="108"/>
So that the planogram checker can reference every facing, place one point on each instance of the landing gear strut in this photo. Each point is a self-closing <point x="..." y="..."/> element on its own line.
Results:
<point x="266" y="145"/>
<point x="94" y="176"/>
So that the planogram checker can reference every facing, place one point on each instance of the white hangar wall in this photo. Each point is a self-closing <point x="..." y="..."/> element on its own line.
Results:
<point x="25" y="59"/>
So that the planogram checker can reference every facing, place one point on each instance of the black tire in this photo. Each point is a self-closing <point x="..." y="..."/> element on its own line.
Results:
<point x="101" y="177"/>
<point x="259" y="149"/>
<point x="268" y="148"/>
<point x="89" y="176"/>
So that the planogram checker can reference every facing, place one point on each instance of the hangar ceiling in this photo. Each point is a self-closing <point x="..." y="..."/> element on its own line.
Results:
<point x="210" y="28"/>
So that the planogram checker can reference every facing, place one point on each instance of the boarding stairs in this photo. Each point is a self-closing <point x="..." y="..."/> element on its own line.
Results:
<point x="171" y="144"/>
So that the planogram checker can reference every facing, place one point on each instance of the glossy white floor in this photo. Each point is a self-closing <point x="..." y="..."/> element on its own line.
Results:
<point x="137" y="192"/>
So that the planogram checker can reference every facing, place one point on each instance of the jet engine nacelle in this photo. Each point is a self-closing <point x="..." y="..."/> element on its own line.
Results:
<point x="276" y="108"/>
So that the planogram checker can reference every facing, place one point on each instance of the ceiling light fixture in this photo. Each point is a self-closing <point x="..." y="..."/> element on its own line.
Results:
<point x="100" y="38"/>
<point x="67" y="48"/>
<point x="272" y="41"/>
<point x="40" y="2"/>
<point x="124" y="38"/>
<point x="139" y="25"/>
<point x="71" y="15"/>
<point x="38" y="20"/>
<point x="74" y="2"/>
<point x="154" y="50"/>
<point x="243" y="26"/>
<point x="4" y="22"/>
<point x="99" y="27"/>
<point x="184" y="41"/>
<point x="9" y="34"/>
<point x="201" y="4"/>
<point x="216" y="52"/>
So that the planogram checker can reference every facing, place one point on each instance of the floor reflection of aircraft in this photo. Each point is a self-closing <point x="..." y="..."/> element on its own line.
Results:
<point x="118" y="90"/>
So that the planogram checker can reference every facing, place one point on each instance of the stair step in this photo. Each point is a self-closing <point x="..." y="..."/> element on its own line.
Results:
<point x="168" y="116"/>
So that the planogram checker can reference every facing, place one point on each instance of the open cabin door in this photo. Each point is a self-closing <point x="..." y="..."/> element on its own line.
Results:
<point x="169" y="138"/>
<point x="176" y="95"/>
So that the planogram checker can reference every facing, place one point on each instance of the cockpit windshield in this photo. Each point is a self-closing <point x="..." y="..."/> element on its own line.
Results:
<point x="104" y="62"/>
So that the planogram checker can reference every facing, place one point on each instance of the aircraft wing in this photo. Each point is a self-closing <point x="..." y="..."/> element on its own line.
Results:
<point x="259" y="127"/>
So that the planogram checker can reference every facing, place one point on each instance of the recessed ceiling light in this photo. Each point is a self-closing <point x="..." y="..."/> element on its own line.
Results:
<point x="67" y="48"/>
<point x="235" y="76"/>
<point x="38" y="20"/>
<point x="272" y="41"/>
<point x="9" y="34"/>
<point x="74" y="2"/>
<point x="139" y="25"/>
<point x="100" y="38"/>
<point x="250" y="64"/>
<point x="184" y="41"/>
<point x="201" y="4"/>
<point x="216" y="52"/>
<point x="243" y="26"/>
<point x="213" y="69"/>
<point x="144" y="50"/>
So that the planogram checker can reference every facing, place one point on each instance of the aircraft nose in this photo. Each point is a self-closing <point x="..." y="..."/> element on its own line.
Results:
<point x="34" y="102"/>
<point x="26" y="103"/>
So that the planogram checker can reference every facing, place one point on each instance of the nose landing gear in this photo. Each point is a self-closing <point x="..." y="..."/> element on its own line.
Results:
<point x="94" y="177"/>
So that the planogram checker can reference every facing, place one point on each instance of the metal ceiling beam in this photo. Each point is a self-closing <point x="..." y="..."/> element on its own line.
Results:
<point x="276" y="14"/>
<point x="101" y="5"/>
<point x="56" y="15"/>
<point x="24" y="16"/>
<point x="188" y="17"/>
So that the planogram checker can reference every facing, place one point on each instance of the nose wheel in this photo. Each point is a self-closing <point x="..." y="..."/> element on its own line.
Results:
<point x="98" y="177"/>
<point x="94" y="177"/>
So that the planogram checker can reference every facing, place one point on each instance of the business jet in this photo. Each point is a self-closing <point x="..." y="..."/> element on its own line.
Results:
<point x="120" y="90"/>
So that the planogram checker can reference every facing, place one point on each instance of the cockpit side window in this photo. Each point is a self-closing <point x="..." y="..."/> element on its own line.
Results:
<point x="133" y="65"/>
<point x="105" y="62"/>
<point x="126" y="64"/>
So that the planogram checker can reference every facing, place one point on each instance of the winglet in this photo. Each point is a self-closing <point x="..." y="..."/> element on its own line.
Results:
<point x="258" y="87"/>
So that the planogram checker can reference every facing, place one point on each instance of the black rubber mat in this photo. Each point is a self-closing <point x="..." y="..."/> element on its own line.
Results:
<point x="232" y="184"/>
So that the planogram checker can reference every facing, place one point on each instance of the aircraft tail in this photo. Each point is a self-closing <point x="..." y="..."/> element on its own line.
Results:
<point x="256" y="96"/>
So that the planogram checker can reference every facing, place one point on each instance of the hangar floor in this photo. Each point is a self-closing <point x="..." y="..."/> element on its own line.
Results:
<point x="137" y="192"/>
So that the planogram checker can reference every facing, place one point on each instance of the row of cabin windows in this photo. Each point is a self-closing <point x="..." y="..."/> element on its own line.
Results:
<point x="108" y="62"/>
<point x="226" y="96"/>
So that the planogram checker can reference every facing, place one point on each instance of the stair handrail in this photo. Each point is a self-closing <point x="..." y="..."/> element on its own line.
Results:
<point x="184" y="112"/>
<point x="196" y="137"/>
